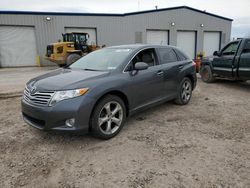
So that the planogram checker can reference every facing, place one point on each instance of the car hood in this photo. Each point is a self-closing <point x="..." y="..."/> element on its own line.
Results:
<point x="64" y="79"/>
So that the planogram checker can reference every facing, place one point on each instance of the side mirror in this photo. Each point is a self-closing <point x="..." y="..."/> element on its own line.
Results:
<point x="217" y="53"/>
<point x="141" y="66"/>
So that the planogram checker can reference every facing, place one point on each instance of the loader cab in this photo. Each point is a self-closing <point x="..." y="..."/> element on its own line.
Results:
<point x="79" y="40"/>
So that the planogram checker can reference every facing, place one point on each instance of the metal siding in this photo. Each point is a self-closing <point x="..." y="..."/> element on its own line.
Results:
<point x="116" y="30"/>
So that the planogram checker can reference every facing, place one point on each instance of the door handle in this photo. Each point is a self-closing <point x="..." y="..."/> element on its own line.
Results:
<point x="159" y="73"/>
<point x="181" y="66"/>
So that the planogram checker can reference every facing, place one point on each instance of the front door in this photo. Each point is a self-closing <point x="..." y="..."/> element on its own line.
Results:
<point x="244" y="62"/>
<point x="146" y="85"/>
<point x="223" y="64"/>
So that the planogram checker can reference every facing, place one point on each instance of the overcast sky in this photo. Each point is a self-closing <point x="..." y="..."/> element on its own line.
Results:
<point x="235" y="9"/>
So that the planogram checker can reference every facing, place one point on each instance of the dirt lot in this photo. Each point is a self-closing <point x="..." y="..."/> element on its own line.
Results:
<point x="12" y="80"/>
<point x="203" y="144"/>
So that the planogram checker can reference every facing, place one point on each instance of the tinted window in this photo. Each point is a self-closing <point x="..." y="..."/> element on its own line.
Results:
<point x="246" y="47"/>
<point x="167" y="55"/>
<point x="180" y="55"/>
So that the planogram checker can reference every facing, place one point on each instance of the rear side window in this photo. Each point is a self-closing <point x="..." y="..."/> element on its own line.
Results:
<point x="246" y="47"/>
<point x="180" y="55"/>
<point x="167" y="55"/>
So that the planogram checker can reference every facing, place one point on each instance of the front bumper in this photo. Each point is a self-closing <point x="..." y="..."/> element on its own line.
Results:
<point x="53" y="118"/>
<point x="59" y="60"/>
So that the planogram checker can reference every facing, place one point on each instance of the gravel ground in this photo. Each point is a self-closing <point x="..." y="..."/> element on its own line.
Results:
<point x="203" y="144"/>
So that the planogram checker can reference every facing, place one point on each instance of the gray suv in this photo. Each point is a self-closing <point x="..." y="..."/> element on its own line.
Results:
<point x="99" y="91"/>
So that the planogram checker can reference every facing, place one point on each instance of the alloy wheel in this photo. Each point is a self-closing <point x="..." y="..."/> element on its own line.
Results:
<point x="186" y="91"/>
<point x="110" y="117"/>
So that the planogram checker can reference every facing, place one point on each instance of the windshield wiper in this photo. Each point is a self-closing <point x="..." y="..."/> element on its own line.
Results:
<point x="66" y="67"/>
<point x="90" y="69"/>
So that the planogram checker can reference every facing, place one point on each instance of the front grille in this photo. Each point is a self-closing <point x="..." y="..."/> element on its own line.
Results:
<point x="38" y="98"/>
<point x="49" y="50"/>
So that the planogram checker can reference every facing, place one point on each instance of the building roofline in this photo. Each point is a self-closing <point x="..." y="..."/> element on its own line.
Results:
<point x="112" y="14"/>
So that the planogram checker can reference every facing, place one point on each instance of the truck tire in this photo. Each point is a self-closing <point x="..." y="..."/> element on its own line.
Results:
<point x="206" y="74"/>
<point x="184" y="92"/>
<point x="72" y="58"/>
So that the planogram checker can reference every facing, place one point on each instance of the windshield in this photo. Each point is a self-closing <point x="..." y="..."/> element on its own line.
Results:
<point x="102" y="60"/>
<point x="68" y="37"/>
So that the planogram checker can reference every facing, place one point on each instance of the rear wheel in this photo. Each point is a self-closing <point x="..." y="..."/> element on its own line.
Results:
<point x="206" y="74"/>
<point x="72" y="58"/>
<point x="108" y="117"/>
<point x="184" y="92"/>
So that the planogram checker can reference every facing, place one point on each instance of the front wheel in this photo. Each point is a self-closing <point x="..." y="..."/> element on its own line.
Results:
<point x="108" y="117"/>
<point x="184" y="92"/>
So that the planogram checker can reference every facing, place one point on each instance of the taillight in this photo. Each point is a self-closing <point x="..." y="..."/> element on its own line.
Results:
<point x="193" y="63"/>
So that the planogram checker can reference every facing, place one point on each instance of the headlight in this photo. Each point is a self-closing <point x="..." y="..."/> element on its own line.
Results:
<point x="67" y="94"/>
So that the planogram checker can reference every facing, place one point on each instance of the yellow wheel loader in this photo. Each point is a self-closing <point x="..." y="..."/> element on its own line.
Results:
<point x="72" y="48"/>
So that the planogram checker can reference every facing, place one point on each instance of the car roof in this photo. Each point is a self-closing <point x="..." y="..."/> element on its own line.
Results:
<point x="139" y="46"/>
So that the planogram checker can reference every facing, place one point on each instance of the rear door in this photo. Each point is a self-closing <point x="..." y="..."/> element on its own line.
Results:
<point x="223" y="64"/>
<point x="171" y="67"/>
<point x="244" y="62"/>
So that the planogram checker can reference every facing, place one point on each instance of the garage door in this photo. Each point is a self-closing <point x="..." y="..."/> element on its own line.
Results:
<point x="17" y="46"/>
<point x="211" y="42"/>
<point x="90" y="31"/>
<point x="157" y="37"/>
<point x="186" y="42"/>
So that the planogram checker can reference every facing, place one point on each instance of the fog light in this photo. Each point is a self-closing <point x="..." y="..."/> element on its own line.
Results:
<point x="70" y="122"/>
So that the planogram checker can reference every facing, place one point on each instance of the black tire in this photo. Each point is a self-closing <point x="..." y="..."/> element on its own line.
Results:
<point x="185" y="83"/>
<point x="72" y="58"/>
<point x="206" y="74"/>
<point x="100" y="130"/>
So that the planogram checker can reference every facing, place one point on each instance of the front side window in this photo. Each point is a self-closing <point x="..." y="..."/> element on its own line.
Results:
<point x="167" y="55"/>
<point x="102" y="60"/>
<point x="230" y="49"/>
<point x="147" y="56"/>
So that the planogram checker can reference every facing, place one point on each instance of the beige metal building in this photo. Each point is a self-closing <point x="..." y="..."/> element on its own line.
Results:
<point x="25" y="35"/>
